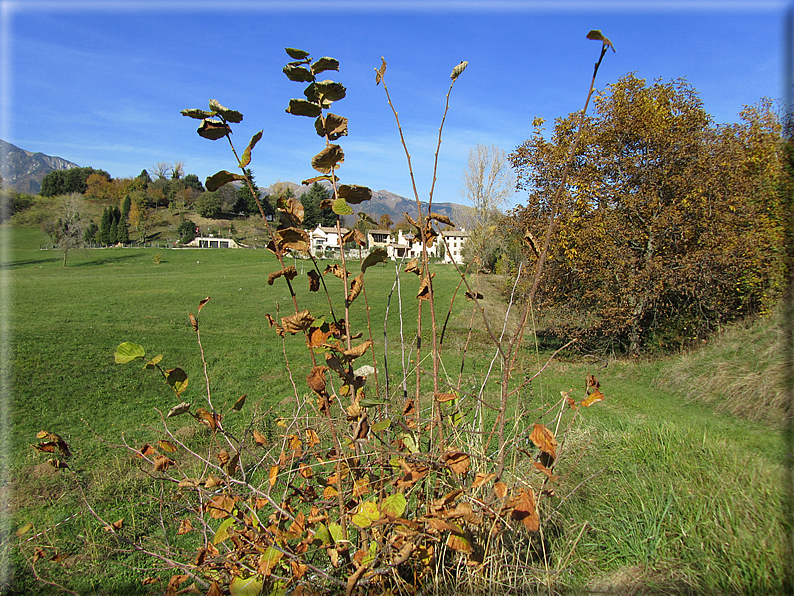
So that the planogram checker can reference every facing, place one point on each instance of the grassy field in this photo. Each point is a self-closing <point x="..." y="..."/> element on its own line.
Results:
<point x="659" y="493"/>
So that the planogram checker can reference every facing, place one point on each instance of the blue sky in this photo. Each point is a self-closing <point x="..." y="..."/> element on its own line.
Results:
<point x="102" y="83"/>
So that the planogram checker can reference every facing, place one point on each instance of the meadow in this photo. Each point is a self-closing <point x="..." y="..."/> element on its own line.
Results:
<point x="658" y="492"/>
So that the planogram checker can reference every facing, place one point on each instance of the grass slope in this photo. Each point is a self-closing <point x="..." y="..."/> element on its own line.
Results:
<point x="658" y="493"/>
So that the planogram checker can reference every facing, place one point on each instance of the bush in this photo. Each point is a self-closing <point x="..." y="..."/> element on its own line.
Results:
<point x="209" y="205"/>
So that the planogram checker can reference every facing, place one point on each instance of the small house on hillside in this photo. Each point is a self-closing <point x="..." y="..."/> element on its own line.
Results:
<point x="323" y="238"/>
<point x="209" y="242"/>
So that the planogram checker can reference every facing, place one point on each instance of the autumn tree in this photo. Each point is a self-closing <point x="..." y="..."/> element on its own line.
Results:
<point x="385" y="221"/>
<point x="68" y="230"/>
<point x="487" y="185"/>
<point x="668" y="225"/>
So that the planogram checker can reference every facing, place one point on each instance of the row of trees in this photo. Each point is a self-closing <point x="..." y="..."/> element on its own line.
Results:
<point x="668" y="226"/>
<point x="71" y="181"/>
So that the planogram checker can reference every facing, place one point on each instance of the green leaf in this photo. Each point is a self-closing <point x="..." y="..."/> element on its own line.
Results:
<point x="246" y="158"/>
<point x="298" y="74"/>
<point x="367" y="513"/>
<point x="354" y="194"/>
<point x="246" y="587"/>
<point x="269" y="560"/>
<point x="213" y="129"/>
<point x="340" y="207"/>
<point x="177" y="378"/>
<point x="336" y="531"/>
<point x="458" y="69"/>
<point x="324" y="64"/>
<point x="323" y="535"/>
<point x="409" y="442"/>
<point x="394" y="505"/>
<point x="380" y="426"/>
<point x="378" y="255"/>
<point x="153" y="362"/>
<point x="229" y="115"/>
<point x="301" y="107"/>
<point x="197" y="114"/>
<point x="223" y="530"/>
<point x="328" y="158"/>
<point x="217" y="180"/>
<point x="333" y="127"/>
<point x="127" y="352"/>
<point x="296" y="54"/>
<point x="238" y="405"/>
<point x="371" y="402"/>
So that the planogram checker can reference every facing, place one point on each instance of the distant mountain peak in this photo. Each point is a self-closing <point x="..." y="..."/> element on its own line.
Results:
<point x="24" y="170"/>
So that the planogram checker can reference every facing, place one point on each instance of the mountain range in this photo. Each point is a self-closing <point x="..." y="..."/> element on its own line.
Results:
<point x="23" y="171"/>
<point x="384" y="202"/>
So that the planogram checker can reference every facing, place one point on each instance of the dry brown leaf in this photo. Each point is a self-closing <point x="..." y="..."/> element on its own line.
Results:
<point x="457" y="461"/>
<point x="146" y="451"/>
<point x="289" y="272"/>
<point x="355" y="287"/>
<point x="459" y="542"/>
<point x="312" y="438"/>
<point x="220" y="506"/>
<point x="539" y="466"/>
<point x="412" y="266"/>
<point x="482" y="478"/>
<point x="184" y="527"/>
<point x="314" y="281"/>
<point x="525" y="510"/>
<point x="444" y="397"/>
<point x="357" y="351"/>
<point x="425" y="287"/>
<point x="337" y="270"/>
<point x="162" y="463"/>
<point x="298" y="322"/>
<point x="500" y="489"/>
<point x="259" y="438"/>
<point x="212" y="482"/>
<point x="544" y="440"/>
<point x="316" y="380"/>
<point x="595" y="397"/>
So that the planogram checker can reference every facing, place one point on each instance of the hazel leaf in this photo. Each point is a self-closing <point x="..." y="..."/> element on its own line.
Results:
<point x="127" y="352"/>
<point x="296" y="54"/>
<point x="324" y="64"/>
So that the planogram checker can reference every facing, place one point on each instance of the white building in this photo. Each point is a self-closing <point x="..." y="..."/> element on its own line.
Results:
<point x="210" y="242"/>
<point x="323" y="238"/>
<point x="455" y="239"/>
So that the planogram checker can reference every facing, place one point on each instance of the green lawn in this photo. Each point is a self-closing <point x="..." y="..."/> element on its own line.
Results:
<point x="655" y="489"/>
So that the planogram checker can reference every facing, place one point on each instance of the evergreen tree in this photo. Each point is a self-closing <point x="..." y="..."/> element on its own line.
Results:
<point x="125" y="207"/>
<point x="104" y="226"/>
<point x="114" y="232"/>
<point x="90" y="232"/>
<point x="116" y="214"/>
<point x="123" y="231"/>
<point x="312" y="214"/>
<point x="144" y="178"/>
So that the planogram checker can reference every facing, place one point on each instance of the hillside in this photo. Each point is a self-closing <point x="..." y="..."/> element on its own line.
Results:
<point x="383" y="202"/>
<point x="23" y="170"/>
